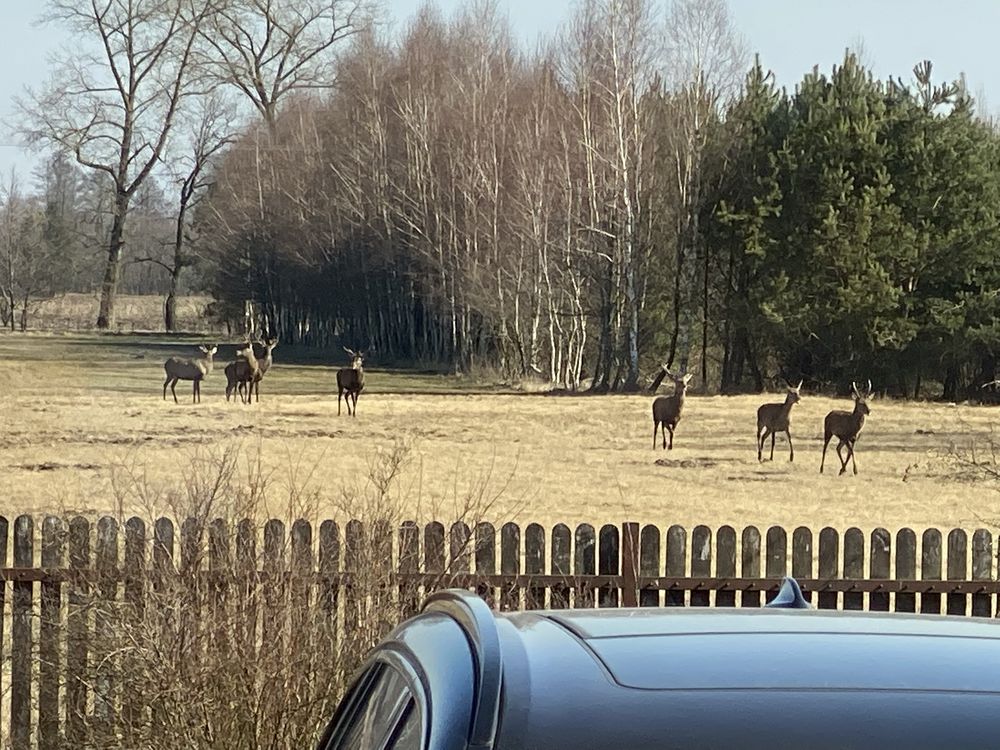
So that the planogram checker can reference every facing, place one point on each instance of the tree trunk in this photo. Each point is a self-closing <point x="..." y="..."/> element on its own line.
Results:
<point x="109" y="289"/>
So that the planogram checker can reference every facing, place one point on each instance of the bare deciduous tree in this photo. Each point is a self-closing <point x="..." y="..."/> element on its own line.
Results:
<point x="705" y="60"/>
<point x="268" y="49"/>
<point x="25" y="268"/>
<point x="114" y="104"/>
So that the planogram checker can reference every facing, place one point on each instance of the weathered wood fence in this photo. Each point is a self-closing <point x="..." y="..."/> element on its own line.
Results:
<point x="61" y="567"/>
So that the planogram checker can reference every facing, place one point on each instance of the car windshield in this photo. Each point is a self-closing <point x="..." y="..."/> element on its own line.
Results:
<point x="381" y="716"/>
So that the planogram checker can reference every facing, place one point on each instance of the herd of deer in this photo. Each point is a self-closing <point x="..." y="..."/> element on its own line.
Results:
<point x="243" y="375"/>
<point x="254" y="359"/>
<point x="771" y="419"/>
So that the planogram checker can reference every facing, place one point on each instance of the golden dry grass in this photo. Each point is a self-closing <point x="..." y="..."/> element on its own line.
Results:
<point x="77" y="409"/>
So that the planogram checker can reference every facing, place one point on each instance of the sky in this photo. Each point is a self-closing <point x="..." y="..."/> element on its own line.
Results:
<point x="791" y="36"/>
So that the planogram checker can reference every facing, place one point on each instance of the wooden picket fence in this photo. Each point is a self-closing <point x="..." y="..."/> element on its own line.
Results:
<point x="57" y="569"/>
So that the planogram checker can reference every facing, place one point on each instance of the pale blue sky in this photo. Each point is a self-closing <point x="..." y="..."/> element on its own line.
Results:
<point x="791" y="35"/>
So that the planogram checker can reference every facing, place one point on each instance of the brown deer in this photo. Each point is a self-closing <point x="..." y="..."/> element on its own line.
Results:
<point x="774" y="418"/>
<point x="846" y="425"/>
<point x="667" y="409"/>
<point x="262" y="351"/>
<point x="194" y="370"/>
<point x="351" y="381"/>
<point x="245" y="369"/>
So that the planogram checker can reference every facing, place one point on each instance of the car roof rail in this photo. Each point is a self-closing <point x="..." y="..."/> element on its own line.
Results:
<point x="789" y="596"/>
<point x="476" y="618"/>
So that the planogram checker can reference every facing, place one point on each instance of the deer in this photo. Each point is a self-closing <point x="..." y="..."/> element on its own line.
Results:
<point x="245" y="369"/>
<point x="774" y="418"/>
<point x="667" y="409"/>
<point x="262" y="351"/>
<point x="846" y="425"/>
<point x="196" y="370"/>
<point x="351" y="381"/>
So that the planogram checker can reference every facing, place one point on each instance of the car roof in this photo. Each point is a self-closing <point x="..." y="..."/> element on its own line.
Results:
<point x="728" y="677"/>
<point x="666" y="649"/>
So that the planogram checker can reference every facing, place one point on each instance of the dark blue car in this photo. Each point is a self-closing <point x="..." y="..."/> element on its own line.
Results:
<point x="459" y="675"/>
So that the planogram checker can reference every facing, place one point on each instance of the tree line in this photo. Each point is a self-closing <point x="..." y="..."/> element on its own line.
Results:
<point x="633" y="192"/>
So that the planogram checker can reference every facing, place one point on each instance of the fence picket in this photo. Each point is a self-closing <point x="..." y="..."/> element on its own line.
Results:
<point x="982" y="570"/>
<point x="20" y="637"/>
<point x="409" y="562"/>
<point x="329" y="567"/>
<point x="750" y="564"/>
<point x="459" y="548"/>
<point x="608" y="557"/>
<point x="854" y="566"/>
<point x="77" y="644"/>
<point x="906" y="568"/>
<point x="510" y="565"/>
<point x="930" y="569"/>
<point x="106" y="563"/>
<point x="584" y="563"/>
<point x="881" y="550"/>
<point x="486" y="560"/>
<point x="701" y="563"/>
<point x="49" y="653"/>
<point x="829" y="561"/>
<point x="534" y="564"/>
<point x="802" y="557"/>
<point x="676" y="564"/>
<point x="725" y="564"/>
<point x="777" y="556"/>
<point x="248" y="587"/>
<point x="562" y="541"/>
<point x="958" y="569"/>
<point x="649" y="563"/>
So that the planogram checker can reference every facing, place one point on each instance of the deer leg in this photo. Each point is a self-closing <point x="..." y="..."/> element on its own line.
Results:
<point x="256" y="390"/>
<point x="671" y="445"/>
<point x="791" y="450"/>
<point x="772" y="445"/>
<point x="843" y="462"/>
<point x="655" y="426"/>
<point x="173" y="389"/>
<point x="826" y="442"/>
<point x="354" y="398"/>
<point x="761" y="437"/>
<point x="195" y="391"/>
<point x="339" y="394"/>
<point x="854" y="461"/>
<point x="165" y="384"/>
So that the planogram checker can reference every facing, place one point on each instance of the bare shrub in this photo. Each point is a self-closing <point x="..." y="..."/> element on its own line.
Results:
<point x="224" y="640"/>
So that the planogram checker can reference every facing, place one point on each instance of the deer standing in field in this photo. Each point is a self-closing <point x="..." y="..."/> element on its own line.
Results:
<point x="351" y="381"/>
<point x="195" y="370"/>
<point x="667" y="409"/>
<point x="846" y="425"/>
<point x="774" y="418"/>
<point x="262" y="351"/>
<point x="245" y="369"/>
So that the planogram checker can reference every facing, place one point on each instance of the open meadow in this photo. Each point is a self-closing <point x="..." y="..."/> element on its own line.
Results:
<point x="82" y="412"/>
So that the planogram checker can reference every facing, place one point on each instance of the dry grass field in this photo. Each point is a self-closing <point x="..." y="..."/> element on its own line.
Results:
<point x="81" y="412"/>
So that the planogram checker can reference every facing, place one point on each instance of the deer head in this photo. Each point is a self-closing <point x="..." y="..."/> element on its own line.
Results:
<point x="793" y="393"/>
<point x="357" y="358"/>
<point x="860" y="402"/>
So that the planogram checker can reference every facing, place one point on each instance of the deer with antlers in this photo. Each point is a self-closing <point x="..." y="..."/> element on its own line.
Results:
<point x="774" y="418"/>
<point x="246" y="369"/>
<point x="667" y="409"/>
<point x="846" y="425"/>
<point x="351" y="381"/>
